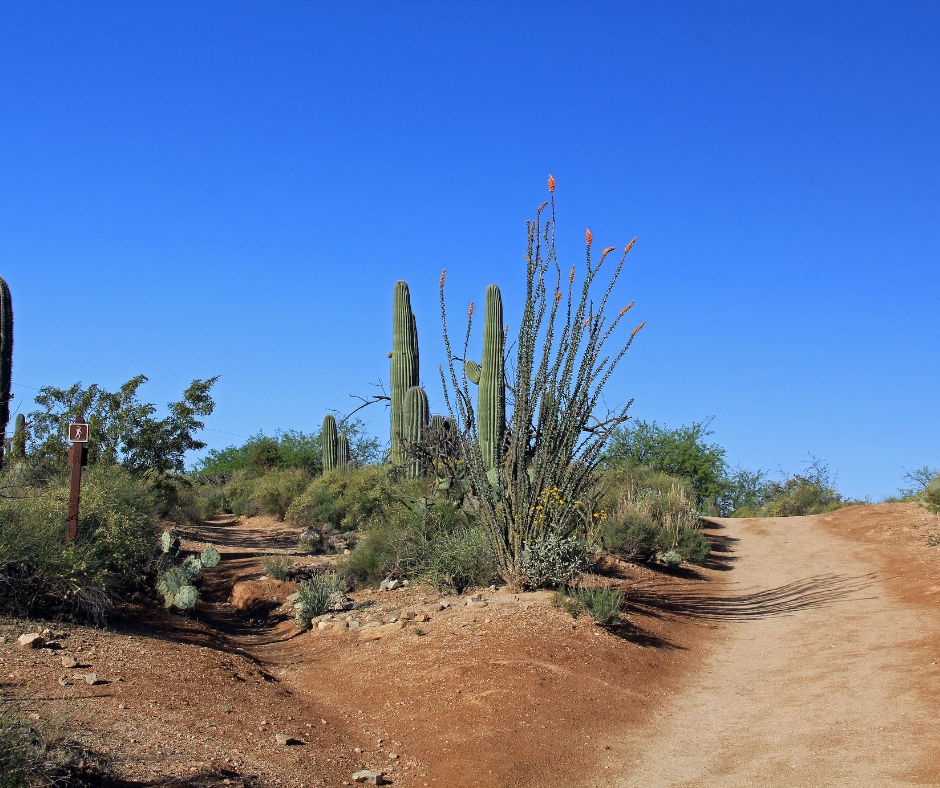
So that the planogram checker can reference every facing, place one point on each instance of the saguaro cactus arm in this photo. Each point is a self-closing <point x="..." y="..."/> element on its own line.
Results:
<point x="405" y="372"/>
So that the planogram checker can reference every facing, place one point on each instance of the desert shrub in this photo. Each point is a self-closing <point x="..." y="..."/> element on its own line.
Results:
<point x="630" y="536"/>
<point x="931" y="492"/>
<point x="650" y="513"/>
<point x="276" y="566"/>
<point x="602" y="603"/>
<point x="810" y="492"/>
<point x="30" y="751"/>
<point x="376" y="556"/>
<point x="316" y="597"/>
<point x="348" y="499"/>
<point x="239" y="494"/>
<point x="275" y="491"/>
<point x="116" y="532"/>
<point x="555" y="559"/>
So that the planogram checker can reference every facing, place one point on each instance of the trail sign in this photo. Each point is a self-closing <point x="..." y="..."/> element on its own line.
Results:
<point x="78" y="458"/>
<point x="78" y="432"/>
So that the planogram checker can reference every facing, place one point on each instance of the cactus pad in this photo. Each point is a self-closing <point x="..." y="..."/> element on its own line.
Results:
<point x="186" y="597"/>
<point x="210" y="557"/>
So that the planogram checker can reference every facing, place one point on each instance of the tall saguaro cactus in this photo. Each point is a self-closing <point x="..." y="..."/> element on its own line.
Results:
<point x="342" y="451"/>
<point x="6" y="359"/>
<point x="19" y="437"/>
<point x="415" y="424"/>
<point x="404" y="357"/>
<point x="328" y="439"/>
<point x="491" y="398"/>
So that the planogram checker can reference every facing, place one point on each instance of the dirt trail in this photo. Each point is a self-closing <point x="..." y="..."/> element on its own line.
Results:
<point x="828" y="672"/>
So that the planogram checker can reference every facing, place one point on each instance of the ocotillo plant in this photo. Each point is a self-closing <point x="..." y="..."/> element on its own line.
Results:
<point x="328" y="440"/>
<point x="404" y="357"/>
<point x="562" y="372"/>
<point x="19" y="437"/>
<point x="342" y="451"/>
<point x="6" y="360"/>
<point x="415" y="425"/>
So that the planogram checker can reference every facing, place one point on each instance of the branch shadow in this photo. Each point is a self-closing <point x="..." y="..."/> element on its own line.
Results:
<point x="813" y="592"/>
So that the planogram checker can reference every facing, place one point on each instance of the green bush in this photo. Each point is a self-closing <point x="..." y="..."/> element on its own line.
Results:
<point x="630" y="536"/>
<point x="602" y="603"/>
<point x="276" y="491"/>
<point x="345" y="499"/>
<point x="239" y="494"/>
<point x="376" y="555"/>
<point x="117" y="530"/>
<point x="456" y="560"/>
<point x="277" y="566"/>
<point x="554" y="559"/>
<point x="316" y="597"/>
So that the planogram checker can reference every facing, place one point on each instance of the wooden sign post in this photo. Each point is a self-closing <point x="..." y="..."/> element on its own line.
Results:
<point x="78" y="457"/>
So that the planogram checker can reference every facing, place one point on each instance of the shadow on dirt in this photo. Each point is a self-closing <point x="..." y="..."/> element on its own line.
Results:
<point x="223" y="533"/>
<point x="813" y="592"/>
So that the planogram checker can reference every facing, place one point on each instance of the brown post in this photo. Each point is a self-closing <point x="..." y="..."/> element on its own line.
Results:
<point x="78" y="456"/>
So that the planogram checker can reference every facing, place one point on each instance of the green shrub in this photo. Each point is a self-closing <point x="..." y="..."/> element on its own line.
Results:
<point x="692" y="545"/>
<point x="456" y="560"/>
<point x="602" y="603"/>
<point x="277" y="566"/>
<point x="344" y="499"/>
<point x="239" y="493"/>
<point x="275" y="491"/>
<point x="117" y="530"/>
<point x="554" y="559"/>
<point x="316" y="597"/>
<point x="375" y="556"/>
<point x="629" y="536"/>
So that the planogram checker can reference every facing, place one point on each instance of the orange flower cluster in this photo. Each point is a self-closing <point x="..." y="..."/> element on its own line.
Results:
<point x="551" y="183"/>
<point x="442" y="276"/>
<point x="587" y="236"/>
<point x="470" y="311"/>
<point x="629" y="245"/>
<point x="571" y="277"/>
<point x="633" y="333"/>
<point x="625" y="310"/>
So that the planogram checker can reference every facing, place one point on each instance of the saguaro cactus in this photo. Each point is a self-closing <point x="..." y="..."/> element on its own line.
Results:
<point x="19" y="437"/>
<point x="342" y="451"/>
<point x="491" y="398"/>
<point x="329" y="439"/>
<point x="404" y="357"/>
<point x="415" y="424"/>
<point x="6" y="359"/>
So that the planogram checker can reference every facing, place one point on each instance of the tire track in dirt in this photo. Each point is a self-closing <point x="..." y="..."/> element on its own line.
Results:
<point x="826" y="676"/>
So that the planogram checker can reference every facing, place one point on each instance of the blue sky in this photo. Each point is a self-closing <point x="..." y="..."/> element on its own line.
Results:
<point x="197" y="189"/>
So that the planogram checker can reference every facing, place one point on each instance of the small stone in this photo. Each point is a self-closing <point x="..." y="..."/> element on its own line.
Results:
<point x="324" y="625"/>
<point x="284" y="740"/>
<point x="345" y="552"/>
<point x="291" y="598"/>
<point x="354" y="624"/>
<point x="393" y="756"/>
<point x="422" y="618"/>
<point x="357" y="749"/>
<point x="64" y="681"/>
<point x="408" y="615"/>
<point x="324" y="722"/>
<point x="32" y="640"/>
<point x="393" y="620"/>
<point x="47" y="634"/>
<point x="368" y="777"/>
<point x="404" y="583"/>
<point x="68" y="661"/>
<point x="3" y="639"/>
<point x="91" y="679"/>
<point x="442" y="605"/>
<point x="121" y="706"/>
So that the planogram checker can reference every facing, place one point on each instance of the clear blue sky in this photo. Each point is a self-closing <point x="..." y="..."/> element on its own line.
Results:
<point x="196" y="189"/>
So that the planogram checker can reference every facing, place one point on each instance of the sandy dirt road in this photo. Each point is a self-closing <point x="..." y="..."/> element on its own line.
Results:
<point x="827" y="674"/>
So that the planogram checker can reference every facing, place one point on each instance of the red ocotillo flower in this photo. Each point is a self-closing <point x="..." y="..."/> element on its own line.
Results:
<point x="633" y="333"/>
<point x="470" y="311"/>
<point x="625" y="310"/>
<point x="442" y="276"/>
<point x="551" y="184"/>
<point x="587" y="236"/>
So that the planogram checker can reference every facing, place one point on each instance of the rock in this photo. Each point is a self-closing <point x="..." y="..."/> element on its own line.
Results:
<point x="345" y="552"/>
<point x="393" y="620"/>
<point x="368" y="777"/>
<point x="3" y="639"/>
<point x="354" y="624"/>
<point x="32" y="640"/>
<point x="476" y="603"/>
<point x="442" y="605"/>
<point x="291" y="598"/>
<point x="64" y="681"/>
<point x="404" y="583"/>
<point x="422" y="618"/>
<point x="408" y="615"/>
<point x="388" y="584"/>
<point x="68" y="661"/>
<point x="372" y="625"/>
<point x="92" y="679"/>
<point x="324" y="625"/>
<point x="393" y="756"/>
<point x="284" y="740"/>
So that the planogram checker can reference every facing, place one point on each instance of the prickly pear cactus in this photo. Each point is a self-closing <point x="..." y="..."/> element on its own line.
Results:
<point x="192" y="566"/>
<point x="186" y="597"/>
<point x="210" y="557"/>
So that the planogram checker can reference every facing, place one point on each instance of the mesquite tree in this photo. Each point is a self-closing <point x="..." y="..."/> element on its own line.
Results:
<point x="539" y="483"/>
